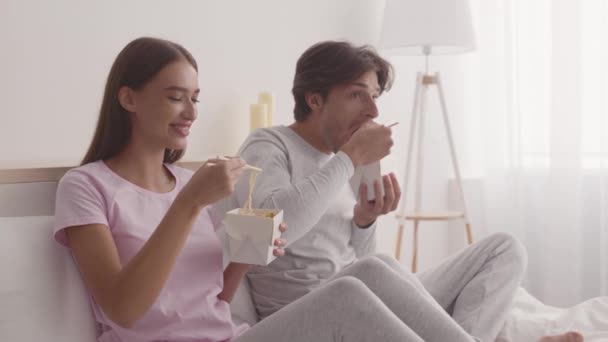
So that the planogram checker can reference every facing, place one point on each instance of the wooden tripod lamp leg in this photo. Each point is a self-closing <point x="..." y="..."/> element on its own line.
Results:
<point x="469" y="234"/>
<point x="408" y="163"/>
<point x="399" y="239"/>
<point x="448" y="129"/>
<point x="415" y="256"/>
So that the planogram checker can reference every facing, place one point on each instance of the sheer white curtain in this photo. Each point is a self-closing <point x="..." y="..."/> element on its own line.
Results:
<point x="540" y="134"/>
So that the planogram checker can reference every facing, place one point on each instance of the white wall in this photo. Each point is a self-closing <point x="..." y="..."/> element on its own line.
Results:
<point x="55" y="57"/>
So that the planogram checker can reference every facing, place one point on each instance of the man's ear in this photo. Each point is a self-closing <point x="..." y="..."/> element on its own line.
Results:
<point x="314" y="100"/>
<point x="126" y="98"/>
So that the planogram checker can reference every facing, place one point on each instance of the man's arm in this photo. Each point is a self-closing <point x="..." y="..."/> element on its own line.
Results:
<point x="303" y="202"/>
<point x="363" y="239"/>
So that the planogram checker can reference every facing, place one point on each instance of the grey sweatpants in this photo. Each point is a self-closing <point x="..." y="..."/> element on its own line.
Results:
<point x="377" y="299"/>
<point x="477" y="286"/>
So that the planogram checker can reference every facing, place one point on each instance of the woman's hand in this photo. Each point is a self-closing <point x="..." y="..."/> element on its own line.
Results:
<point x="214" y="180"/>
<point x="280" y="243"/>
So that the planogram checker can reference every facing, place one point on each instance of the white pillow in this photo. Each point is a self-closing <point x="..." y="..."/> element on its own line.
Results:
<point x="42" y="297"/>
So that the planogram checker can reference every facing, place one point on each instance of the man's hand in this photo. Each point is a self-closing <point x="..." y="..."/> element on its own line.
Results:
<point x="368" y="144"/>
<point x="366" y="212"/>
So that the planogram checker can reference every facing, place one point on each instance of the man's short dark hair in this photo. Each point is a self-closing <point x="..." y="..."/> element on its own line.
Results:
<point x="332" y="63"/>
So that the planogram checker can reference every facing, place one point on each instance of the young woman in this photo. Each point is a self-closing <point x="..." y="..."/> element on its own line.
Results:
<point x="144" y="240"/>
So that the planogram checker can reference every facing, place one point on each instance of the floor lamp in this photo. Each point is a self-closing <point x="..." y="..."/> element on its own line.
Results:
<point x="427" y="27"/>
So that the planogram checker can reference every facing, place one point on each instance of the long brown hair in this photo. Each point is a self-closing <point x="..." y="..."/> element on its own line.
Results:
<point x="135" y="65"/>
<point x="331" y="63"/>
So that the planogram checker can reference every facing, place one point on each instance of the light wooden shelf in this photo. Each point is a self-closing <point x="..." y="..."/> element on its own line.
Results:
<point x="433" y="216"/>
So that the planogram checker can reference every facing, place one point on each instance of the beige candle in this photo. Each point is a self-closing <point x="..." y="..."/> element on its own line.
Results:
<point x="266" y="97"/>
<point x="257" y="116"/>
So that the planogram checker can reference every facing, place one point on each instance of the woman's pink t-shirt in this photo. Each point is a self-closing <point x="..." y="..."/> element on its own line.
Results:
<point x="187" y="308"/>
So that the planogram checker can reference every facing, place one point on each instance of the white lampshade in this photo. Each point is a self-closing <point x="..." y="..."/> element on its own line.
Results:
<point x="445" y="26"/>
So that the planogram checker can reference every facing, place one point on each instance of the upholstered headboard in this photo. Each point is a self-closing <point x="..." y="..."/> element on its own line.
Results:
<point x="31" y="192"/>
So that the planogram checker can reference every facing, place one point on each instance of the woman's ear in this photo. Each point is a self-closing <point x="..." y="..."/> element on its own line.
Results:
<point x="126" y="98"/>
<point x="314" y="100"/>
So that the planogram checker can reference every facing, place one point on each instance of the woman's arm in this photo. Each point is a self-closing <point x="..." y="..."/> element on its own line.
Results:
<point x="125" y="293"/>
<point x="233" y="274"/>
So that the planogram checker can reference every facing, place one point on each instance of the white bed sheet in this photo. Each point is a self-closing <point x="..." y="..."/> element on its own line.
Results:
<point x="531" y="319"/>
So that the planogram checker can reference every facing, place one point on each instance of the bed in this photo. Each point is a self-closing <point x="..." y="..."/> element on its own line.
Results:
<point x="43" y="299"/>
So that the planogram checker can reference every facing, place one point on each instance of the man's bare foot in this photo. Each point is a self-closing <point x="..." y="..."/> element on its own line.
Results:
<point x="567" y="337"/>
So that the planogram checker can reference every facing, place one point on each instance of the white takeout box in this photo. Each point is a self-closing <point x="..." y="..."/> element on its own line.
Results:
<point x="251" y="238"/>
<point x="367" y="174"/>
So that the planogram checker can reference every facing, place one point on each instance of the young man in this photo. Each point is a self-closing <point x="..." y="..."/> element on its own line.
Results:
<point x="306" y="171"/>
